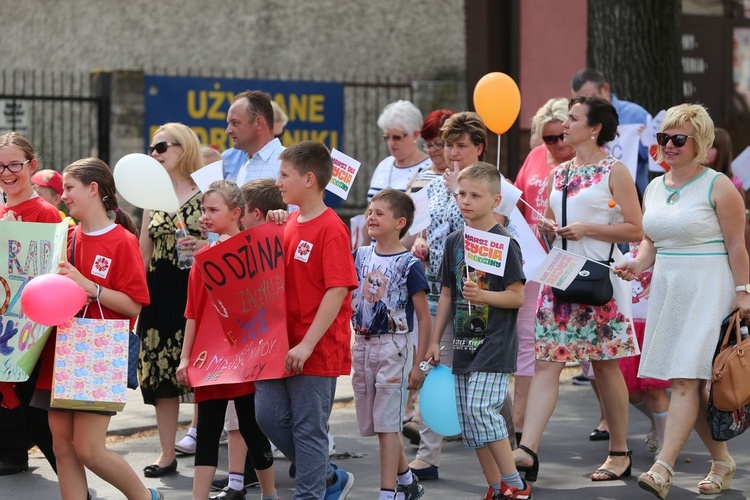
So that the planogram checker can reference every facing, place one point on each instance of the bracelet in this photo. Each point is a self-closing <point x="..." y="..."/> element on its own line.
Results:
<point x="98" y="291"/>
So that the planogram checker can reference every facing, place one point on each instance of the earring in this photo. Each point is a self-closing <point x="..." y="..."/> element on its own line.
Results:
<point x="593" y="138"/>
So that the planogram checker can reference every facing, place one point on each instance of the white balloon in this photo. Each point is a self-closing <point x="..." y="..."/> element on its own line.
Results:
<point x="144" y="182"/>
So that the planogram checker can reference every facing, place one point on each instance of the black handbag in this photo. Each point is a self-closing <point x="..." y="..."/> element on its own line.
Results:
<point x="592" y="286"/>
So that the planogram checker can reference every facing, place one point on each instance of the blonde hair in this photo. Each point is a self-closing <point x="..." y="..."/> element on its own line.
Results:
<point x="554" y="110"/>
<point x="231" y="194"/>
<point x="699" y="120"/>
<point x="209" y="155"/>
<point x="191" y="159"/>
<point x="484" y="173"/>
<point x="263" y="195"/>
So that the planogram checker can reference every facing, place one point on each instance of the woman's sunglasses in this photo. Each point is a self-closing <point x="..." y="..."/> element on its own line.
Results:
<point x="678" y="140"/>
<point x="161" y="147"/>
<point x="551" y="139"/>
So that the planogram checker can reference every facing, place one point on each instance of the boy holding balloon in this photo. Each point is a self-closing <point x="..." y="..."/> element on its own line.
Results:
<point x="484" y="308"/>
<point x="392" y="286"/>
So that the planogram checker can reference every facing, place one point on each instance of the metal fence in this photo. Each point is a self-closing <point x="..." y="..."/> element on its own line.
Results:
<point x="61" y="113"/>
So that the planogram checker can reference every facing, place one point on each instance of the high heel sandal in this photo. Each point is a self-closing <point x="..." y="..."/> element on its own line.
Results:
<point x="531" y="470"/>
<point x="655" y="482"/>
<point x="721" y="481"/>
<point x="611" y="476"/>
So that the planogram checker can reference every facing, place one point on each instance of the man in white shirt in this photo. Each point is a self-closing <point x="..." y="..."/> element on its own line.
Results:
<point x="250" y="125"/>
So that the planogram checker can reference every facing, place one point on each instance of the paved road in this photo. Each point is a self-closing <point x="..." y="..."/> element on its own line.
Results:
<point x="567" y="457"/>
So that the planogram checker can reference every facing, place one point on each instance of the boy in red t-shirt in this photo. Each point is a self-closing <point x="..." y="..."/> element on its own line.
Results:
<point x="320" y="277"/>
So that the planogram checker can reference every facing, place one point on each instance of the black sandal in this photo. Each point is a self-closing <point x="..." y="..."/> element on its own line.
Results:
<point x="531" y="470"/>
<point x="611" y="476"/>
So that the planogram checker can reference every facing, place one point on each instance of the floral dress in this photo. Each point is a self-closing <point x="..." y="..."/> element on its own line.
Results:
<point x="579" y="332"/>
<point x="161" y="325"/>
<point x="445" y="217"/>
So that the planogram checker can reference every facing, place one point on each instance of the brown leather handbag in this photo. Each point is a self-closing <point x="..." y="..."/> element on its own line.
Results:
<point x="730" y="386"/>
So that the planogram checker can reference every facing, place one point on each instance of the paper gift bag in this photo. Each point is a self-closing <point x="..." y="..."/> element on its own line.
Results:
<point x="91" y="365"/>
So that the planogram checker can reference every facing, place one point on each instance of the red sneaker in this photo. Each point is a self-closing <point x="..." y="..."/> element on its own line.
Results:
<point x="490" y="493"/>
<point x="511" y="492"/>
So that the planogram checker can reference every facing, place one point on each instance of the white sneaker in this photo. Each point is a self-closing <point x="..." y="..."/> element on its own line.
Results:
<point x="186" y="445"/>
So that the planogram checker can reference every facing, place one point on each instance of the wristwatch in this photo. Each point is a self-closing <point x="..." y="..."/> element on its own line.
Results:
<point x="455" y="192"/>
<point x="742" y="288"/>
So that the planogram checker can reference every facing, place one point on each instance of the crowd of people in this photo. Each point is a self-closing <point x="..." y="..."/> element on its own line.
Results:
<point x="377" y="311"/>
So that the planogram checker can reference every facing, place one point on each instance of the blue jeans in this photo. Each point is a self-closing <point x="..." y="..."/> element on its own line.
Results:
<point x="293" y="413"/>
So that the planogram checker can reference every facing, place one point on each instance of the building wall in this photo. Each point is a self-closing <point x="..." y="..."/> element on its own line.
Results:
<point x="322" y="39"/>
<point x="553" y="48"/>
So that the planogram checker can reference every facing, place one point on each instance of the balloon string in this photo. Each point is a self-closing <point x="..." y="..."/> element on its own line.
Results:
<point x="498" y="152"/>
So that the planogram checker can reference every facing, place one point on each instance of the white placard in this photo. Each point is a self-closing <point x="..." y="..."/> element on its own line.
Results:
<point x="648" y="139"/>
<point x="510" y="195"/>
<point x="486" y="251"/>
<point x="559" y="268"/>
<point x="422" y="211"/>
<point x="204" y="176"/>
<point x="624" y="147"/>
<point x="532" y="251"/>
<point x="345" y="169"/>
<point x="741" y="167"/>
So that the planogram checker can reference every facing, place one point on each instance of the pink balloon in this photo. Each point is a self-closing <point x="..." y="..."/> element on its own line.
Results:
<point x="52" y="299"/>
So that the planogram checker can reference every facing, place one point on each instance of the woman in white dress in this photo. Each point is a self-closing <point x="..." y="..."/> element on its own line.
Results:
<point x="694" y="237"/>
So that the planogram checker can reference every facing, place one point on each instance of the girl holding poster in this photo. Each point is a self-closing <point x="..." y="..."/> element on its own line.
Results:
<point x="223" y="207"/>
<point x="18" y="162"/>
<point x="104" y="248"/>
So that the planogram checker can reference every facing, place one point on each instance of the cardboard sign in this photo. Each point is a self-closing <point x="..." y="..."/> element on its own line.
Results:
<point x="485" y="251"/>
<point x="242" y="336"/>
<point x="27" y="249"/>
<point x="741" y="167"/>
<point x="510" y="195"/>
<point x="559" y="269"/>
<point x="624" y="147"/>
<point x="204" y="176"/>
<point x="421" y="213"/>
<point x="648" y="139"/>
<point x="532" y="251"/>
<point x="345" y="169"/>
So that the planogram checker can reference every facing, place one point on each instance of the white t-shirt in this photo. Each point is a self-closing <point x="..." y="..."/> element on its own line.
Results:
<point x="388" y="175"/>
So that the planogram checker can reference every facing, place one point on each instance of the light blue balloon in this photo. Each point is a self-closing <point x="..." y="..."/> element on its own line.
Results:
<point x="437" y="402"/>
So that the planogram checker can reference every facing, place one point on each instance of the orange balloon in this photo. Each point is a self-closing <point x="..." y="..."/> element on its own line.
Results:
<point x="498" y="101"/>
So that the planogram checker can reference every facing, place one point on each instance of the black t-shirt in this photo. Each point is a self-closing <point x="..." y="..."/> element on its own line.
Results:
<point x="485" y="340"/>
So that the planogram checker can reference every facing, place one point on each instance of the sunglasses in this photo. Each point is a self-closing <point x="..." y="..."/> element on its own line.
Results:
<point x="161" y="147"/>
<point x="551" y="139"/>
<point x="394" y="137"/>
<point x="678" y="140"/>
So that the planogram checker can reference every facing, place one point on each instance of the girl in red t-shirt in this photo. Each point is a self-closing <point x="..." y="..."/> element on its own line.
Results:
<point x="107" y="235"/>
<point x="222" y="208"/>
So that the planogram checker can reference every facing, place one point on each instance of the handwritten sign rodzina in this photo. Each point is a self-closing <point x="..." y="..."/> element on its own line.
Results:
<point x="242" y="335"/>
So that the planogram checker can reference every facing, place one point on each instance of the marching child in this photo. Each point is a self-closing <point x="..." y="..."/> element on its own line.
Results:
<point x="320" y="276"/>
<point x="392" y="286"/>
<point x="260" y="196"/>
<point x="484" y="308"/>
<point x="19" y="424"/>
<point x="223" y="208"/>
<point x="106" y="264"/>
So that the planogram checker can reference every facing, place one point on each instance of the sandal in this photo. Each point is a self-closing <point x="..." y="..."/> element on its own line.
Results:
<point x="655" y="482"/>
<point x="531" y="470"/>
<point x="721" y="481"/>
<point x="611" y="476"/>
<point x="156" y="495"/>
